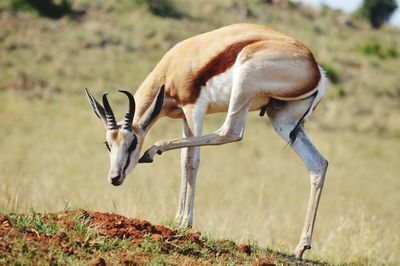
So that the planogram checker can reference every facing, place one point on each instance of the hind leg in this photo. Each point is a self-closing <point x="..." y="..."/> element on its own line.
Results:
<point x="284" y="118"/>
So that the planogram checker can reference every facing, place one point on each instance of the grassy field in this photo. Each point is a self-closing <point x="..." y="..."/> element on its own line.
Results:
<point x="51" y="151"/>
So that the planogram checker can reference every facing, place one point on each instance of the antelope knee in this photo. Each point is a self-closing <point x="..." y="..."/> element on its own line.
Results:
<point x="317" y="176"/>
<point x="230" y="136"/>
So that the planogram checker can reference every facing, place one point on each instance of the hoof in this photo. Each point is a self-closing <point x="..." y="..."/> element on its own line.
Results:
<point x="146" y="158"/>
<point x="185" y="225"/>
<point x="298" y="253"/>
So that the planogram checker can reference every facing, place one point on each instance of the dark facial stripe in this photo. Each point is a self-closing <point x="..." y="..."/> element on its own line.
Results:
<point x="131" y="148"/>
<point x="217" y="65"/>
<point x="108" y="146"/>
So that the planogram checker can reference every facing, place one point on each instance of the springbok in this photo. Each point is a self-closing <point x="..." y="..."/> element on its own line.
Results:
<point x="234" y="69"/>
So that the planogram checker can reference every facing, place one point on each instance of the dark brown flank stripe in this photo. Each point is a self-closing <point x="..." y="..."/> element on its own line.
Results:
<point x="215" y="66"/>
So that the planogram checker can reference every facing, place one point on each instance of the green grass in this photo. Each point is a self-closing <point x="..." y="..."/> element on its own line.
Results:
<point x="51" y="142"/>
<point x="374" y="48"/>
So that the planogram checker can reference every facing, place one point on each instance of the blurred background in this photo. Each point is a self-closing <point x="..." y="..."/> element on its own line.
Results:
<point x="51" y="150"/>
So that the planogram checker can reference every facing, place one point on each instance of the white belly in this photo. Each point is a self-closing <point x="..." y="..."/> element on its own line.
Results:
<point x="217" y="92"/>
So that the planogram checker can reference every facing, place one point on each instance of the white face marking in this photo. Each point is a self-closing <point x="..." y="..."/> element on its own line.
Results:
<point x="124" y="154"/>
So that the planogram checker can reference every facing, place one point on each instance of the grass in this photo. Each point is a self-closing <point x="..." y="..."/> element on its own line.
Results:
<point x="32" y="243"/>
<point x="374" y="48"/>
<point x="35" y="222"/>
<point x="51" y="142"/>
<point x="23" y="244"/>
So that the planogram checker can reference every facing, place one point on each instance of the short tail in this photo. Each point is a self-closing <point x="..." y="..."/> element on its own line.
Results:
<point x="317" y="95"/>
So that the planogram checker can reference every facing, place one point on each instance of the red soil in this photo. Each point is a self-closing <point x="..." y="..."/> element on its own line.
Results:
<point x="117" y="226"/>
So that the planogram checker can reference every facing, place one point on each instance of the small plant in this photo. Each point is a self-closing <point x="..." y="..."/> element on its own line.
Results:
<point x="21" y="5"/>
<point x="37" y="222"/>
<point x="374" y="48"/>
<point x="391" y="52"/>
<point x="83" y="226"/>
<point x="47" y="228"/>
<point x="104" y="243"/>
<point x="371" y="48"/>
<point x="66" y="206"/>
<point x="46" y="8"/>
<point x="162" y="8"/>
<point x="149" y="245"/>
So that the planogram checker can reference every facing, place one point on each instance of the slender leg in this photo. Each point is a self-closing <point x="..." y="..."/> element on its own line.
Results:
<point x="182" y="193"/>
<point x="316" y="165"/>
<point x="190" y="160"/>
<point x="191" y="166"/>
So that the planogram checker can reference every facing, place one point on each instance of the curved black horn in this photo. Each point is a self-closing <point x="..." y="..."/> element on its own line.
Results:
<point x="131" y="111"/>
<point x="110" y="118"/>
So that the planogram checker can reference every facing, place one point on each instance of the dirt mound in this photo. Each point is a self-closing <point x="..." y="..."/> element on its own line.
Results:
<point x="115" y="225"/>
<point x="88" y="237"/>
<point x="72" y="233"/>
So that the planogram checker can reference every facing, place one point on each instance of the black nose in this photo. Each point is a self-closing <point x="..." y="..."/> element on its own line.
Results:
<point x="116" y="180"/>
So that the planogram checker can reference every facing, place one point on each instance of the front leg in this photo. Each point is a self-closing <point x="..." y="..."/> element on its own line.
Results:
<point x="231" y="131"/>
<point x="190" y="160"/>
<point x="161" y="146"/>
<point x="217" y="138"/>
<point x="190" y="165"/>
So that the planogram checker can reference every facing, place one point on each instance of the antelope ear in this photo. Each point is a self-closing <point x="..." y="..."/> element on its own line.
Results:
<point x="153" y="110"/>
<point x="97" y="108"/>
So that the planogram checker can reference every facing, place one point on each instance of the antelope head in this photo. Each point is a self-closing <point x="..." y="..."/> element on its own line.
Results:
<point x="124" y="140"/>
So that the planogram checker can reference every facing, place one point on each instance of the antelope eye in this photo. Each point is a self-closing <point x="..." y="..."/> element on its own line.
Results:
<point x="108" y="146"/>
<point x="132" y="147"/>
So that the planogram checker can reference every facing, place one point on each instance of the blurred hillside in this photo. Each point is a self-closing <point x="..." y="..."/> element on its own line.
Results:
<point x="116" y="43"/>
